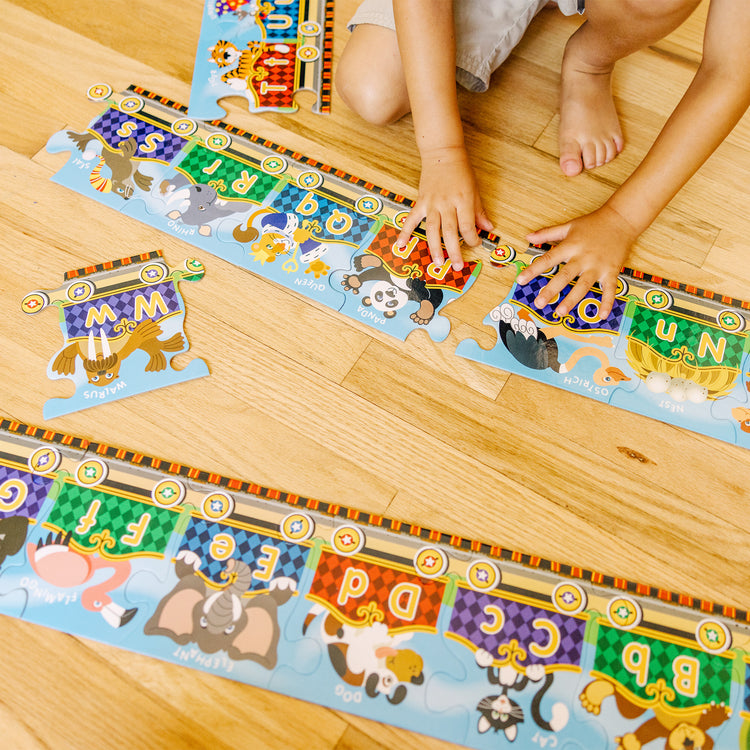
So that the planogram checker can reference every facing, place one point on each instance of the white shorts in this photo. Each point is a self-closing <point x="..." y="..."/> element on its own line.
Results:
<point x="486" y="31"/>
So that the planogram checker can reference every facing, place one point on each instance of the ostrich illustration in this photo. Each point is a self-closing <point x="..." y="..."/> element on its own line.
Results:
<point x="55" y="562"/>
<point x="532" y="347"/>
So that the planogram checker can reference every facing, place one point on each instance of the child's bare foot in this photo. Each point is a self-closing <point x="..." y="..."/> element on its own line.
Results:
<point x="590" y="132"/>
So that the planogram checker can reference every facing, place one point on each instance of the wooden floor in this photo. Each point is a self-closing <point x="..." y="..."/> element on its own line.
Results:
<point x="306" y="400"/>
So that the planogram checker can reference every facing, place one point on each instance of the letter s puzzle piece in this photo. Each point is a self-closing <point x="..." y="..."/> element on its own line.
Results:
<point x="122" y="323"/>
<point x="265" y="51"/>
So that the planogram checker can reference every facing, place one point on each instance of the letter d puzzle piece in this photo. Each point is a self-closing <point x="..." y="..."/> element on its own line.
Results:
<point x="122" y="323"/>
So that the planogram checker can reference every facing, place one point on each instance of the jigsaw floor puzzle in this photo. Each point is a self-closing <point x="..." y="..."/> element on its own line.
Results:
<point x="305" y="225"/>
<point x="265" y="51"/>
<point x="669" y="351"/>
<point x="438" y="634"/>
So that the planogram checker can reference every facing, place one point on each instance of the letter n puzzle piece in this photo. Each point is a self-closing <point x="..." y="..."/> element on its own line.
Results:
<point x="122" y="323"/>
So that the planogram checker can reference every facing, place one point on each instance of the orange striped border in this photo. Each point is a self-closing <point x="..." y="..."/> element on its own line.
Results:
<point x="14" y="427"/>
<point x="111" y="265"/>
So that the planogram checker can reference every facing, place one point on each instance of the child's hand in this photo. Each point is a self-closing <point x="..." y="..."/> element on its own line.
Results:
<point x="450" y="204"/>
<point x="593" y="249"/>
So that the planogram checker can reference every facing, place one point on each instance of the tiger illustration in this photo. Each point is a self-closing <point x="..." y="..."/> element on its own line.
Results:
<point x="226" y="54"/>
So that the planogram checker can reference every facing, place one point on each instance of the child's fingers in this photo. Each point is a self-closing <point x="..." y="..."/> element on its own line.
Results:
<point x="556" y="233"/>
<point x="609" y="291"/>
<point x="554" y="286"/>
<point x="411" y="222"/>
<point x="432" y="233"/>
<point x="576" y="294"/>
<point x="540" y="265"/>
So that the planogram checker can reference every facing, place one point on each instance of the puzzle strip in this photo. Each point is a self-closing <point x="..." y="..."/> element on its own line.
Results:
<point x="668" y="350"/>
<point x="298" y="222"/>
<point x="441" y="635"/>
<point x="122" y="324"/>
<point x="265" y="51"/>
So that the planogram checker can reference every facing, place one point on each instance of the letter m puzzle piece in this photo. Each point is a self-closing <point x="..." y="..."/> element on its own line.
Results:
<point x="122" y="323"/>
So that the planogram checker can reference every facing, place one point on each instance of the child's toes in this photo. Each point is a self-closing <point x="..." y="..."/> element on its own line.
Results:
<point x="571" y="163"/>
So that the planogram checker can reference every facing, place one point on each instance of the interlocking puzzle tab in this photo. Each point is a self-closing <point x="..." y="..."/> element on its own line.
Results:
<point x="288" y="218"/>
<point x="265" y="51"/>
<point x="475" y="644"/>
<point x="122" y="323"/>
<point x="669" y="351"/>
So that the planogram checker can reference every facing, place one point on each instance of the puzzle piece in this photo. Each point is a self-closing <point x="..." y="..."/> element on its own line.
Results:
<point x="265" y="51"/>
<point x="433" y="633"/>
<point x="281" y="215"/>
<point x="667" y="350"/>
<point x="122" y="323"/>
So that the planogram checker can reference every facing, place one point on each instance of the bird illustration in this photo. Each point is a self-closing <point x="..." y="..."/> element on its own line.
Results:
<point x="56" y="563"/>
<point x="535" y="349"/>
<point x="124" y="169"/>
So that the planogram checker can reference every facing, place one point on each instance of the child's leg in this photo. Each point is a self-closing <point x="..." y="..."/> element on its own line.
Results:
<point x="369" y="76"/>
<point x="590" y="132"/>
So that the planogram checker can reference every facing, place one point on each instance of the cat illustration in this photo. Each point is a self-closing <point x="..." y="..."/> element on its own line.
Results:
<point x="499" y="712"/>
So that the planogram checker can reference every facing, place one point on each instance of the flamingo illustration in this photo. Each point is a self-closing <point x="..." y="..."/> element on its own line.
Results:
<point x="534" y="348"/>
<point x="55" y="562"/>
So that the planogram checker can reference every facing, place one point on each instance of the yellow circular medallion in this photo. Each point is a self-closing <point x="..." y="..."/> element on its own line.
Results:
<point x="502" y="254"/>
<point x="99" y="91"/>
<point x="713" y="636"/>
<point x="569" y="598"/>
<point x="168" y="493"/>
<point x="184" y="126"/>
<point x="79" y="291"/>
<point x="483" y="575"/>
<point x="43" y="460"/>
<point x="216" y="506"/>
<point x="624" y="612"/>
<point x="91" y="472"/>
<point x="348" y="540"/>
<point x="430" y="562"/>
<point x="218" y="141"/>
<point x="296" y="527"/>
<point x="131" y="104"/>
<point x="34" y="302"/>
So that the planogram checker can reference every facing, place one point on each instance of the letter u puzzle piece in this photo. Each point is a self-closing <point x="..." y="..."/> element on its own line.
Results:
<point x="305" y="225"/>
<point x="265" y="51"/>
<point x="122" y="323"/>
<point x="668" y="350"/>
<point x="471" y="643"/>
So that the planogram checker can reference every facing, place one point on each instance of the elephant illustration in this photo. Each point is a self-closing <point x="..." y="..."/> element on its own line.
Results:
<point x="222" y="620"/>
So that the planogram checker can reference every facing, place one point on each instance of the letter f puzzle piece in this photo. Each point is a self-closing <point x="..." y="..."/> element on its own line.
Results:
<point x="122" y="323"/>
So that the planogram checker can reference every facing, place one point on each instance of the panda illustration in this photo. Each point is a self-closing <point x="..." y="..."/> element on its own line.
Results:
<point x="390" y="293"/>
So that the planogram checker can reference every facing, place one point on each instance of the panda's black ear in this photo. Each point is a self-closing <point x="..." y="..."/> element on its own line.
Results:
<point x="366" y="301"/>
<point x="390" y="313"/>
